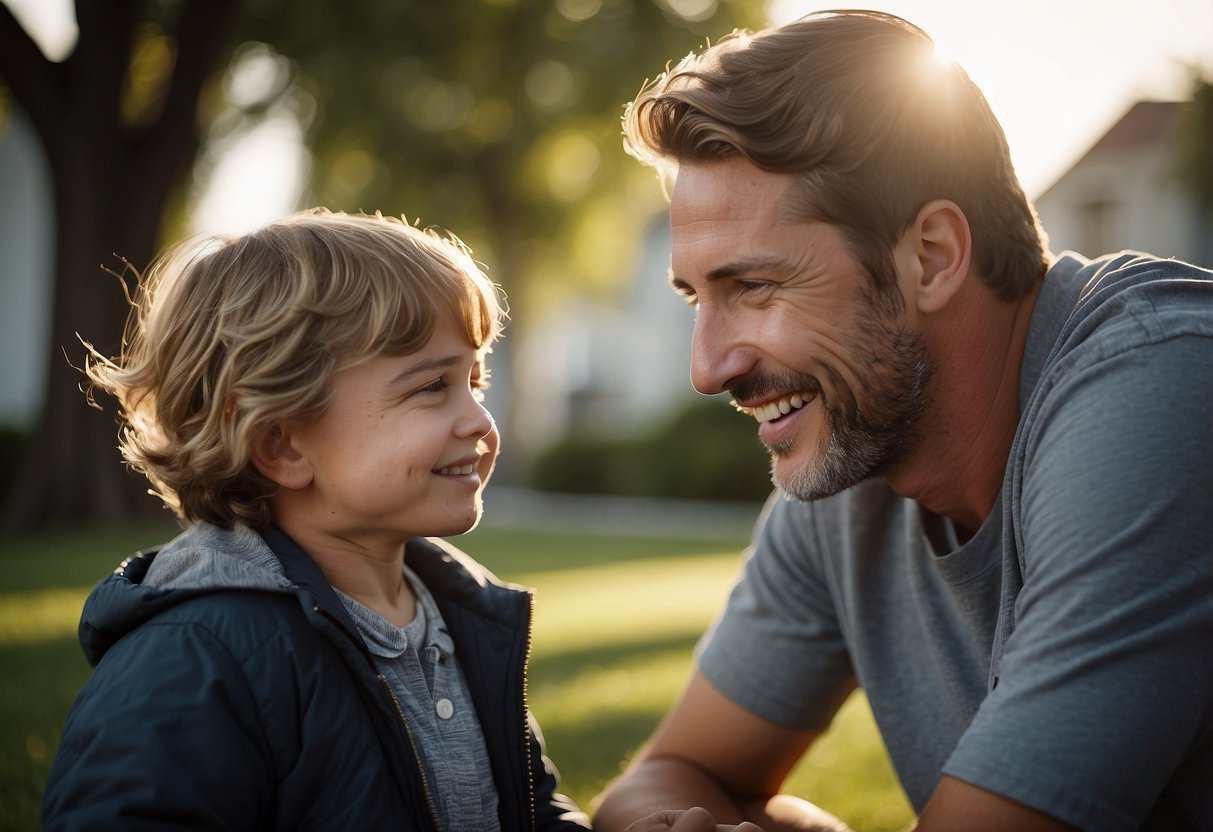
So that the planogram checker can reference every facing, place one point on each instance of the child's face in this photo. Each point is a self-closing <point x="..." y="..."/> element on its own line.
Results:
<point x="404" y="449"/>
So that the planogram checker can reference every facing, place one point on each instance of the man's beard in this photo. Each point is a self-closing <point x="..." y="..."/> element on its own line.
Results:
<point x="868" y="429"/>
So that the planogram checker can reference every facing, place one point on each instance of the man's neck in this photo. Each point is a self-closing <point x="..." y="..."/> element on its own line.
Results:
<point x="977" y="346"/>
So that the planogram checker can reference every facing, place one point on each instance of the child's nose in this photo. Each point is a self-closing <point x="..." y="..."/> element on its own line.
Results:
<point x="476" y="420"/>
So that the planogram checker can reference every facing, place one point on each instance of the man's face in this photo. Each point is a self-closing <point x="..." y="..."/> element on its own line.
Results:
<point x="787" y="324"/>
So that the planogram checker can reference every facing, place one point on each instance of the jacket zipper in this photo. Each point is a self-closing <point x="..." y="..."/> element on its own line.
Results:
<point x="526" y="731"/>
<point x="425" y="783"/>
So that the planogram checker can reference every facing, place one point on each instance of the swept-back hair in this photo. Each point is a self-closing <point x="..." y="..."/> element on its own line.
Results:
<point x="859" y="109"/>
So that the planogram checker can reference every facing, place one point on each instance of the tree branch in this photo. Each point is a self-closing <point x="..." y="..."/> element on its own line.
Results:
<point x="202" y="34"/>
<point x="36" y="83"/>
<point x="98" y="68"/>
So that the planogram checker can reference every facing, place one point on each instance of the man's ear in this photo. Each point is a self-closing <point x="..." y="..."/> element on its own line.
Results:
<point x="276" y="458"/>
<point x="941" y="247"/>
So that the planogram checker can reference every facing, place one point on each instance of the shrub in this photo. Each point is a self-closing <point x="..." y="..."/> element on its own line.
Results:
<point x="705" y="451"/>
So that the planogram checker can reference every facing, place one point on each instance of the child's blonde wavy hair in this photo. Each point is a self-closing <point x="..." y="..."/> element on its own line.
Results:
<point x="229" y="335"/>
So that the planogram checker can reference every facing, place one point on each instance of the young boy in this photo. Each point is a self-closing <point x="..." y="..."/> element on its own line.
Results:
<point x="307" y="399"/>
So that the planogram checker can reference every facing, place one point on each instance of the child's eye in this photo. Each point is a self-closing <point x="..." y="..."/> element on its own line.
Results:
<point x="435" y="386"/>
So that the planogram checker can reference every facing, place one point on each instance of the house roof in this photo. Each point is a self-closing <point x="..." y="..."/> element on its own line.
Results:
<point x="1146" y="123"/>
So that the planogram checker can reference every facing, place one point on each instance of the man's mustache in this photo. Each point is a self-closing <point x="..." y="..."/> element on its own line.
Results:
<point x="759" y="386"/>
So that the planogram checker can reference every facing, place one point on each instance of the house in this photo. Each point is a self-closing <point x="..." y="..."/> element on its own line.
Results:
<point x="1123" y="193"/>
<point x="613" y="366"/>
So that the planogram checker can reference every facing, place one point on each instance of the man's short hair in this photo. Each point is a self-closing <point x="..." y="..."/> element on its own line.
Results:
<point x="856" y="106"/>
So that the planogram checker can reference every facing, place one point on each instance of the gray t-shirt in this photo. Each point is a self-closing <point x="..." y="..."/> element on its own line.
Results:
<point x="1063" y="656"/>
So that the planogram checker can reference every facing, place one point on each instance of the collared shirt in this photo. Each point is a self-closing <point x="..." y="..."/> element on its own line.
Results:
<point x="418" y="660"/>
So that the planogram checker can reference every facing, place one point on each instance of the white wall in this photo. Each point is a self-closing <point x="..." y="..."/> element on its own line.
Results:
<point x="1146" y="208"/>
<point x="26" y="252"/>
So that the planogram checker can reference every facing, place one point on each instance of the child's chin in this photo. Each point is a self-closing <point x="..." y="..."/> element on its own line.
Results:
<point x="465" y="527"/>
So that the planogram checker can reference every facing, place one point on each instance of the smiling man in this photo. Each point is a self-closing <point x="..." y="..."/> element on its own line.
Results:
<point x="993" y="464"/>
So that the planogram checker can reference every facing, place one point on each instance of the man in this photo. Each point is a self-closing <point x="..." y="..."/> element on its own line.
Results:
<point x="996" y="465"/>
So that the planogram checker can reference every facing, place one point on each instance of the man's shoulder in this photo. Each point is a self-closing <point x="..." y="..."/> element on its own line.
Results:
<point x="1122" y="305"/>
<point x="1127" y="264"/>
<point x="1154" y="295"/>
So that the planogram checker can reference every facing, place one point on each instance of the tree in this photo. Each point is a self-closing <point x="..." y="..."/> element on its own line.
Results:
<point x="116" y="120"/>
<point x="497" y="118"/>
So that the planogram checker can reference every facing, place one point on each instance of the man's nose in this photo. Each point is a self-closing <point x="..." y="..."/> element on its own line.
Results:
<point x="717" y="356"/>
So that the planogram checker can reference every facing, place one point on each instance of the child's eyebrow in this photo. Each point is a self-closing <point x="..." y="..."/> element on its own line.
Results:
<point x="427" y="365"/>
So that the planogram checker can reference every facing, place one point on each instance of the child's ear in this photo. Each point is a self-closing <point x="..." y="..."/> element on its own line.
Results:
<point x="276" y="458"/>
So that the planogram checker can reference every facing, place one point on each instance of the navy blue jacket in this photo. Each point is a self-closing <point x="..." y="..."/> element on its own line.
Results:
<point x="237" y="704"/>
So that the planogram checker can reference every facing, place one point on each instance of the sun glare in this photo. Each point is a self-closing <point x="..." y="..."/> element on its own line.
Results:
<point x="943" y="55"/>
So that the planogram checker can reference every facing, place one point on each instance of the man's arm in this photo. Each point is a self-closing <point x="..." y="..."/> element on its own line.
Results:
<point x="957" y="806"/>
<point x="711" y="752"/>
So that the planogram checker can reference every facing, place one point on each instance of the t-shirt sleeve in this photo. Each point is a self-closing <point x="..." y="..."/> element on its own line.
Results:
<point x="1104" y="689"/>
<point x="777" y="649"/>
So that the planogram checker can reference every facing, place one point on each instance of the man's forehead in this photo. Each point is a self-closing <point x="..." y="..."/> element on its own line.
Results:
<point x="731" y="189"/>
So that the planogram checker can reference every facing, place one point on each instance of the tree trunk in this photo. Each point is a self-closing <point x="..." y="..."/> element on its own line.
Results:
<point x="72" y="469"/>
<point x="111" y="182"/>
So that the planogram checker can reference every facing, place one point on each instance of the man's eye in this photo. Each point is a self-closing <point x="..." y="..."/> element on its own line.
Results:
<point x="691" y="299"/>
<point x="749" y="287"/>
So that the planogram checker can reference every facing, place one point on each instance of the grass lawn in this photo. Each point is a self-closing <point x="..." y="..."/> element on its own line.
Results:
<point x="616" y="621"/>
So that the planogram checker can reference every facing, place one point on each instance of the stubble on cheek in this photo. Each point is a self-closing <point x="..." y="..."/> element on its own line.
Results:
<point x="860" y="437"/>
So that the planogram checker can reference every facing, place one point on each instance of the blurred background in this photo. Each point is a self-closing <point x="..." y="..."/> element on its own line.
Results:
<point x="125" y="125"/>
<point x="622" y="497"/>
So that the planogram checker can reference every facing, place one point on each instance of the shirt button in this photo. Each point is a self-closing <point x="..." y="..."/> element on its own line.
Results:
<point x="444" y="708"/>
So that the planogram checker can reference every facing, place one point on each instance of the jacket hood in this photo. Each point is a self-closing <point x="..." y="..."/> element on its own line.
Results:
<point x="209" y="557"/>
<point x="206" y="559"/>
<point x="201" y="560"/>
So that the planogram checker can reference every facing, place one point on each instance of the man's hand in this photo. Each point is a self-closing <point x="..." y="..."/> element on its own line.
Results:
<point x="732" y="772"/>
<point x="696" y="819"/>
